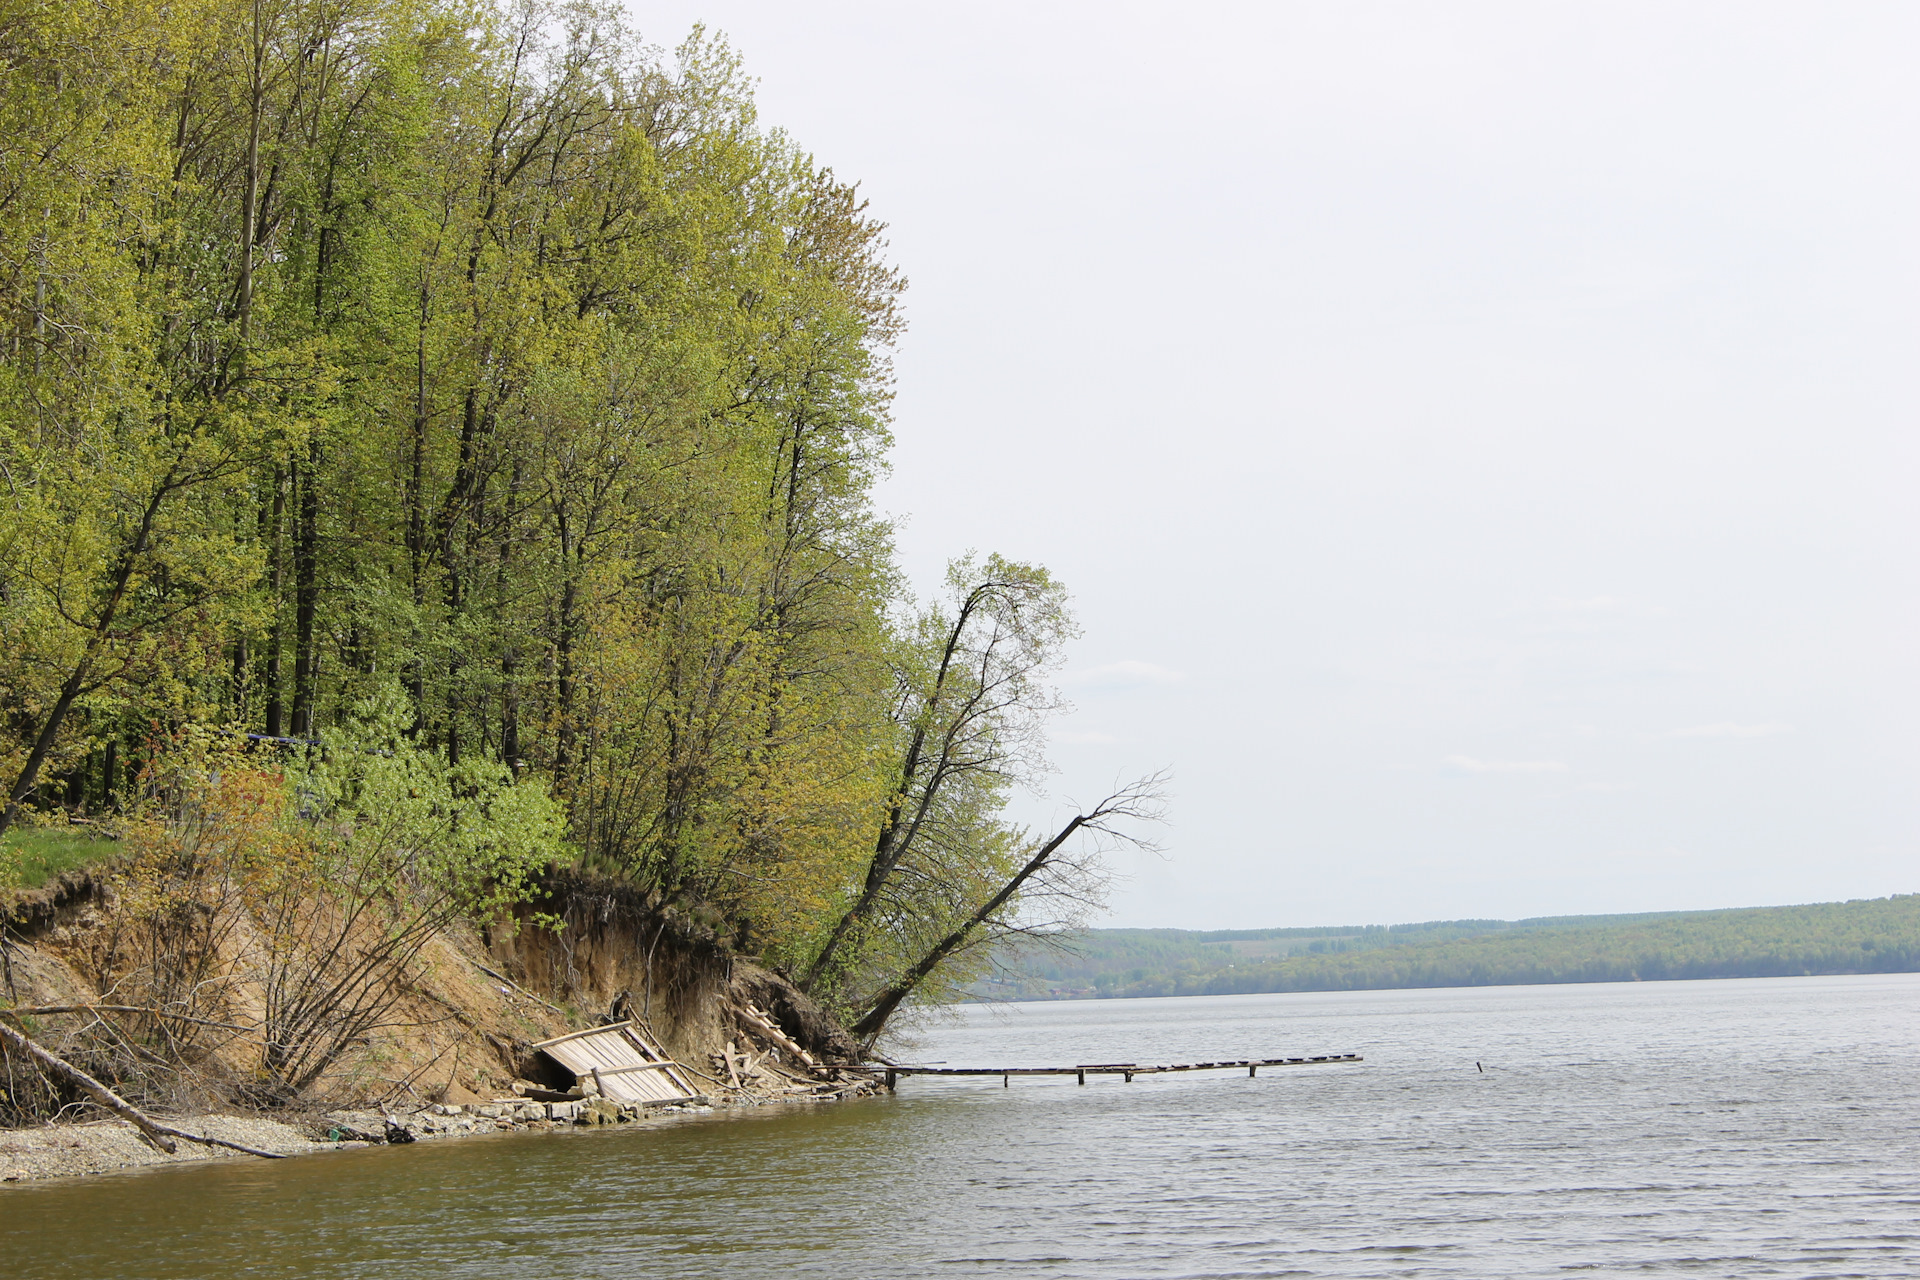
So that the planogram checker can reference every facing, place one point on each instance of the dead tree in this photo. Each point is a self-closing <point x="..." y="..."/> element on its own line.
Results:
<point x="160" y="1135"/>
<point x="1140" y="801"/>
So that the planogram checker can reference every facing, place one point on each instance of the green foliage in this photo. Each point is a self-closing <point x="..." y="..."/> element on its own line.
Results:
<point x="1880" y="935"/>
<point x="390" y="817"/>
<point x="970" y="700"/>
<point x="489" y="364"/>
<point x="308" y="896"/>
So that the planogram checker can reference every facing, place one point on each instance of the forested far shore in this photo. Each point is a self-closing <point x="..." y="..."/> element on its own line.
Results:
<point x="1874" y="935"/>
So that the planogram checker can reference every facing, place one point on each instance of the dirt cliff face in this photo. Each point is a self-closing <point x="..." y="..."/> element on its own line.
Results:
<point x="479" y="1001"/>
<point x="620" y="958"/>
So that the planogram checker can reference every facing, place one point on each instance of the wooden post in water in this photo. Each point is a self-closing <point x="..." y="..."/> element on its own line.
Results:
<point x="1127" y="1069"/>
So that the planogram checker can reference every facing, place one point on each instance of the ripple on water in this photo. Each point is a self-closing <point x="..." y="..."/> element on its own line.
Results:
<point x="1756" y="1128"/>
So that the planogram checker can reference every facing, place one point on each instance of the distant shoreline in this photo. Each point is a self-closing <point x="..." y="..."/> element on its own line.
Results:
<point x="1876" y="935"/>
<point x="1475" y="986"/>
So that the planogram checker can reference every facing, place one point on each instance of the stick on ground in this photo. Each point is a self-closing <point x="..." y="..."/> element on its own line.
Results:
<point x="160" y="1135"/>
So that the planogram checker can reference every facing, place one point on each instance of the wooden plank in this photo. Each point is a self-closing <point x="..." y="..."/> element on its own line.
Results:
<point x="608" y="1055"/>
<point x="1126" y="1069"/>
<point x="640" y="1066"/>
<point x="575" y="1035"/>
<point x="650" y="1050"/>
<point x="771" y="1032"/>
<point x="627" y="1067"/>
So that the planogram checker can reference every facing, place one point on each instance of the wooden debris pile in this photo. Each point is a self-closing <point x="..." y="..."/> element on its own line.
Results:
<point x="778" y="1065"/>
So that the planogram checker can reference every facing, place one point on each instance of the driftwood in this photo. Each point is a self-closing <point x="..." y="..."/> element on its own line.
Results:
<point x="692" y="1070"/>
<point x="149" y="1129"/>
<point x="732" y="1073"/>
<point x="782" y="1074"/>
<point x="207" y="1141"/>
<point x="42" y="1010"/>
<point x="769" y="1031"/>
<point x="495" y="973"/>
<point x="160" y="1135"/>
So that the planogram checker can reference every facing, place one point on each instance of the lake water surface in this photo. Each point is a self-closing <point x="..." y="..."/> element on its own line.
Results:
<point x="1740" y="1128"/>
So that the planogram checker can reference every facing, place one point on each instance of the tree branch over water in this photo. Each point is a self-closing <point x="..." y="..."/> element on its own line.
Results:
<point x="1143" y="800"/>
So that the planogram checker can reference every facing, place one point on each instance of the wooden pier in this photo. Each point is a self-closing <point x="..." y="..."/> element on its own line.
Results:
<point x="1127" y="1069"/>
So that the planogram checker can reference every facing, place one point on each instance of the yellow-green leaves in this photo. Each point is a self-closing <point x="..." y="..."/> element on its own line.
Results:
<point x="488" y="402"/>
<point x="387" y="811"/>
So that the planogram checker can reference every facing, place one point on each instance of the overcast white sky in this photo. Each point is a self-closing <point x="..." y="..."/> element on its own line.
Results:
<point x="1480" y="437"/>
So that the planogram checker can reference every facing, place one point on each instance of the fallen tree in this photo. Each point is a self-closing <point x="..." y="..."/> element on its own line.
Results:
<point x="1140" y="801"/>
<point x="160" y="1135"/>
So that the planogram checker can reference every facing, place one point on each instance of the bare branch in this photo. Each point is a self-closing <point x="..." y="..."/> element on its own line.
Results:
<point x="1140" y="801"/>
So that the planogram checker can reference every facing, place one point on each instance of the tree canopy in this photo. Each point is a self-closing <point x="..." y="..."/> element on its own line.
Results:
<point x="487" y="358"/>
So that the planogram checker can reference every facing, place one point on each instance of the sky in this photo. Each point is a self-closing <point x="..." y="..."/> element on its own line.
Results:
<point x="1479" y="437"/>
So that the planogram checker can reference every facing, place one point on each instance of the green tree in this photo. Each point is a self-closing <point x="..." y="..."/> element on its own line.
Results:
<point x="968" y="720"/>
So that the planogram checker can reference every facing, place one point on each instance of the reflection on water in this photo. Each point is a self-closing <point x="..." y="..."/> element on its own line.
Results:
<point x="1709" y="1129"/>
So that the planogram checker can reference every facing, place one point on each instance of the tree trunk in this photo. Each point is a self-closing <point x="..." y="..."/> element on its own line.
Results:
<point x="456" y="600"/>
<point x="306" y="594"/>
<point x="29" y="775"/>
<point x="564" y="736"/>
<point x="242" y="659"/>
<point x="106" y="1097"/>
<point x="417" y="516"/>
<point x="276" y="585"/>
<point x="249" y="205"/>
<point x="889" y="1000"/>
<point x="896" y="833"/>
<point x="509" y="650"/>
<point x="158" y="1134"/>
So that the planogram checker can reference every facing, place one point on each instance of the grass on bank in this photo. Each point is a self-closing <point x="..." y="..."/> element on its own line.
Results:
<point x="31" y="856"/>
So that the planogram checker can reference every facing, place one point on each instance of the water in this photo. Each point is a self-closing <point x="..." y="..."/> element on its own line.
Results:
<point x="1720" y="1129"/>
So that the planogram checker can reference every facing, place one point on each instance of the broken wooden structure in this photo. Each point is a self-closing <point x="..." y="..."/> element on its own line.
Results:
<point x="1127" y="1069"/>
<point x="623" y="1064"/>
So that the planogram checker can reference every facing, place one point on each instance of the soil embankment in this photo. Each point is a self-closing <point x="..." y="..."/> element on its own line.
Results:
<point x="455" y="1056"/>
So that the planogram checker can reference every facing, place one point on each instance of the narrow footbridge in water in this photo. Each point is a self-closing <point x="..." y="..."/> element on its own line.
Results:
<point x="1127" y="1069"/>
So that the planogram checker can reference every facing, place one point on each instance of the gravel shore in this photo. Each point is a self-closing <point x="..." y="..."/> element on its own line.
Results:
<point x="104" y="1146"/>
<point x="101" y="1146"/>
